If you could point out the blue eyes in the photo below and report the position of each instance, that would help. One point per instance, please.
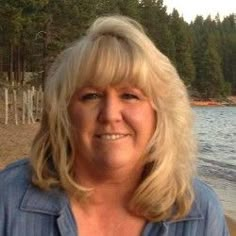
(94, 95)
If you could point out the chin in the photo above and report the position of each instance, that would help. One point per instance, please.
(116, 162)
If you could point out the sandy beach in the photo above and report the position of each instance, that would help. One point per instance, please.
(15, 143)
(232, 225)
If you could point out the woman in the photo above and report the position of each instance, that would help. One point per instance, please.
(115, 153)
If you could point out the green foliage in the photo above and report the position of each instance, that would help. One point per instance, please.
(213, 57)
(155, 19)
(129, 8)
(183, 48)
(213, 74)
(33, 32)
(228, 54)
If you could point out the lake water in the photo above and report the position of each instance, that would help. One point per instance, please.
(216, 131)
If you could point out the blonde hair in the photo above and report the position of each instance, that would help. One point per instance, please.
(116, 49)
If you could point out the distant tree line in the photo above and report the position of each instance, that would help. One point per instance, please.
(33, 32)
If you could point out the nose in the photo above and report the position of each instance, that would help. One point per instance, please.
(110, 109)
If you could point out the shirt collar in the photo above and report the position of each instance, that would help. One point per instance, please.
(54, 201)
(194, 214)
(48, 202)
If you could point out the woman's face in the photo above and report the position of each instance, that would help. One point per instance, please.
(111, 126)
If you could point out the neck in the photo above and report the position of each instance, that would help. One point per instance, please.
(106, 211)
(110, 187)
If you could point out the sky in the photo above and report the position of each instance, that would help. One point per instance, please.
(190, 8)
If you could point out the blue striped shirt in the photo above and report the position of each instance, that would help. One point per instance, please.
(25, 210)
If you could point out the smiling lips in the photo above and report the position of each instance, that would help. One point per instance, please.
(111, 137)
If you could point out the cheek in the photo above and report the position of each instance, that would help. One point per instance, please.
(82, 126)
(149, 122)
(143, 120)
(78, 117)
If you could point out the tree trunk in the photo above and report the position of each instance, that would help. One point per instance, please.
(1, 61)
(45, 57)
(10, 69)
(6, 106)
(45, 49)
(18, 64)
(15, 64)
(23, 65)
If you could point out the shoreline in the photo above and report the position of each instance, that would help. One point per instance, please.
(229, 101)
(231, 224)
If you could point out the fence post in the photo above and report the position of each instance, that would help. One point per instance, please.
(37, 105)
(6, 105)
(28, 106)
(24, 104)
(41, 99)
(15, 106)
(32, 104)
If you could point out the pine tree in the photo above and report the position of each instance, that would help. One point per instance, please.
(228, 39)
(129, 8)
(209, 78)
(154, 18)
(183, 47)
(214, 86)
(15, 18)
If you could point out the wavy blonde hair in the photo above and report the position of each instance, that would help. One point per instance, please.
(116, 49)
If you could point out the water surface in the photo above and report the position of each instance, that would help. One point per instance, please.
(216, 131)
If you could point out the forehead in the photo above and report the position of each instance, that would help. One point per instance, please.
(110, 84)
(119, 83)
(121, 87)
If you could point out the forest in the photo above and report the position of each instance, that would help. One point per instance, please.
(33, 32)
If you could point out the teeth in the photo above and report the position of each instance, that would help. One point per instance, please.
(111, 136)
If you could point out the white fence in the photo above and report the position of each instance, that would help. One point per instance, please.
(20, 105)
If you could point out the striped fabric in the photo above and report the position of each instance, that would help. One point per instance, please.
(27, 211)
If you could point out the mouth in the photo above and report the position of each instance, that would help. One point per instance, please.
(111, 137)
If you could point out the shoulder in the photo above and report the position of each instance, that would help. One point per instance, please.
(24, 206)
(17, 190)
(205, 197)
(210, 207)
(14, 179)
(15, 171)
(206, 216)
